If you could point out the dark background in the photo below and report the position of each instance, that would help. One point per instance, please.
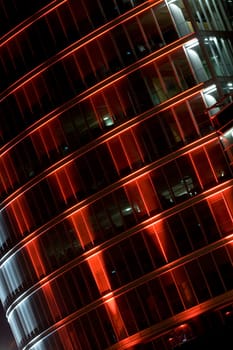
(7, 341)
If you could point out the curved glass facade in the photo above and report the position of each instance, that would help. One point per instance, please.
(116, 181)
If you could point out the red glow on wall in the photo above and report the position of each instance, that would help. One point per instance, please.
(20, 214)
(79, 220)
(64, 182)
(118, 155)
(8, 175)
(36, 259)
(221, 206)
(228, 193)
(98, 269)
(136, 198)
(48, 138)
(28, 22)
(116, 319)
(148, 193)
(51, 301)
(158, 236)
(96, 264)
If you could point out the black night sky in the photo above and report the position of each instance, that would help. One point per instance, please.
(7, 341)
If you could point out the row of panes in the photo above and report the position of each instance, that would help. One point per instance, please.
(72, 19)
(59, 28)
(146, 250)
(13, 12)
(212, 14)
(159, 80)
(113, 50)
(166, 295)
(160, 189)
(213, 328)
(143, 143)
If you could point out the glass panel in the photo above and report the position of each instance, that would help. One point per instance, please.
(183, 70)
(97, 60)
(123, 45)
(193, 228)
(85, 66)
(197, 61)
(166, 240)
(116, 111)
(180, 17)
(94, 12)
(212, 275)
(224, 266)
(135, 197)
(160, 300)
(107, 163)
(202, 119)
(154, 84)
(221, 214)
(171, 129)
(136, 37)
(131, 259)
(118, 156)
(141, 251)
(189, 177)
(218, 161)
(154, 246)
(127, 314)
(131, 149)
(162, 188)
(151, 30)
(149, 195)
(175, 181)
(80, 13)
(167, 74)
(184, 286)
(203, 167)
(138, 84)
(56, 29)
(186, 122)
(138, 312)
(207, 222)
(110, 51)
(165, 23)
(102, 110)
(118, 268)
(68, 22)
(180, 235)
(73, 72)
(197, 280)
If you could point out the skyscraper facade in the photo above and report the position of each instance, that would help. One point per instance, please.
(116, 222)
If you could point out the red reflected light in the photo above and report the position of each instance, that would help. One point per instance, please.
(79, 222)
(116, 318)
(97, 266)
(36, 259)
